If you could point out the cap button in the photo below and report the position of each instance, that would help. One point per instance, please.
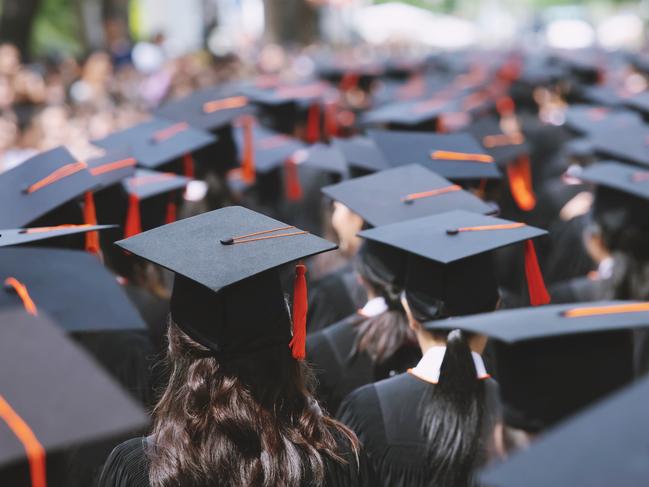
(452, 231)
(227, 241)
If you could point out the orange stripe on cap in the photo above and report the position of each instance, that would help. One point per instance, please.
(169, 132)
(607, 310)
(112, 166)
(23, 294)
(428, 194)
(57, 175)
(225, 104)
(150, 178)
(500, 140)
(461, 156)
(33, 448)
(273, 141)
(481, 228)
(53, 229)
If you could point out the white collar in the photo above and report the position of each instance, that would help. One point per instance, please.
(374, 307)
(429, 366)
(605, 268)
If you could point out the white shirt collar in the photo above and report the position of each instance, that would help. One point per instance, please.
(430, 364)
(605, 268)
(374, 307)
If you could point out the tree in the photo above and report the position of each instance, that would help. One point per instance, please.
(17, 21)
(291, 21)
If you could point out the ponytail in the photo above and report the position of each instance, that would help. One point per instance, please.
(453, 413)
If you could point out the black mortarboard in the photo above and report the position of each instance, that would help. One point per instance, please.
(23, 236)
(302, 93)
(588, 119)
(209, 109)
(450, 270)
(323, 157)
(41, 184)
(112, 167)
(603, 446)
(227, 293)
(53, 398)
(638, 102)
(158, 141)
(361, 153)
(147, 184)
(504, 148)
(621, 177)
(271, 149)
(409, 113)
(605, 95)
(403, 193)
(453, 156)
(554, 360)
(73, 288)
(628, 144)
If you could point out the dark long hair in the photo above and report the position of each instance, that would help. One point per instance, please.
(250, 420)
(453, 414)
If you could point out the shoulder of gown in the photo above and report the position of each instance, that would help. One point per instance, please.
(354, 471)
(127, 466)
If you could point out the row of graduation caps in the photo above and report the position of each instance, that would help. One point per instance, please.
(51, 284)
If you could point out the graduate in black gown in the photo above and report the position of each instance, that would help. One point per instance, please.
(238, 409)
(373, 343)
(433, 425)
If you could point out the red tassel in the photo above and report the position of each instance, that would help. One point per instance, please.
(90, 218)
(188, 166)
(519, 174)
(171, 215)
(248, 159)
(505, 106)
(133, 224)
(313, 124)
(349, 81)
(535, 284)
(292, 180)
(330, 121)
(300, 308)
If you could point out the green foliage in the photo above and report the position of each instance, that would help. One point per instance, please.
(56, 28)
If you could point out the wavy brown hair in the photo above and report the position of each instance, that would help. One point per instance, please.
(249, 420)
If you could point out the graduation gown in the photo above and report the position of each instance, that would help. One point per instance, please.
(385, 416)
(338, 373)
(334, 297)
(128, 466)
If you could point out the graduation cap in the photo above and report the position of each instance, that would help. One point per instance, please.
(361, 154)
(323, 157)
(158, 142)
(588, 119)
(145, 208)
(112, 167)
(453, 156)
(53, 398)
(450, 270)
(73, 288)
(409, 113)
(602, 446)
(603, 95)
(24, 236)
(621, 177)
(628, 144)
(41, 184)
(227, 293)
(403, 193)
(639, 102)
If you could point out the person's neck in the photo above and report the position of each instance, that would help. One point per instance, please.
(427, 341)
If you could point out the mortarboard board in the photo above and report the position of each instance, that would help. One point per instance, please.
(555, 360)
(73, 288)
(629, 144)
(621, 177)
(361, 153)
(158, 141)
(403, 193)
(303, 93)
(112, 167)
(271, 149)
(23, 236)
(602, 446)
(504, 148)
(41, 184)
(587, 119)
(639, 102)
(409, 113)
(227, 293)
(453, 156)
(53, 398)
(450, 270)
(603, 95)
(323, 157)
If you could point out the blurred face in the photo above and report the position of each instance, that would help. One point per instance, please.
(346, 224)
(9, 59)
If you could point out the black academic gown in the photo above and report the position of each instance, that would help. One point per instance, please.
(334, 297)
(385, 416)
(338, 373)
(128, 466)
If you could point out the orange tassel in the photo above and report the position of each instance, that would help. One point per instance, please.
(300, 308)
(248, 159)
(172, 210)
(505, 106)
(313, 123)
(292, 180)
(90, 218)
(133, 224)
(535, 283)
(188, 166)
(519, 174)
(349, 81)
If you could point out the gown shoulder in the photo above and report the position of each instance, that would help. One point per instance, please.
(127, 465)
